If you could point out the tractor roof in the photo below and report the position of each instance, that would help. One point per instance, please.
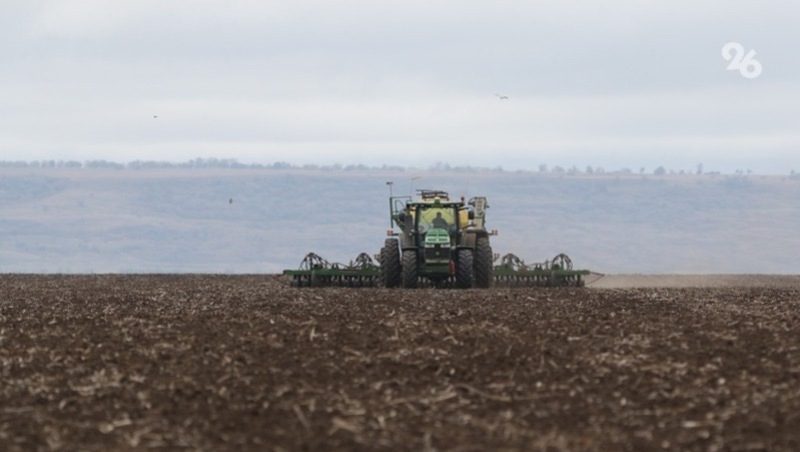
(426, 194)
(435, 197)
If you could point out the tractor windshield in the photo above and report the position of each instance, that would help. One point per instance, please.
(437, 217)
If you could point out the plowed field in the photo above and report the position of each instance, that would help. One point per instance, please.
(246, 362)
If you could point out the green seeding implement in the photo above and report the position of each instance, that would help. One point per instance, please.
(440, 243)
(315, 271)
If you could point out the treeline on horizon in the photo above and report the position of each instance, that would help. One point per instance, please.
(214, 163)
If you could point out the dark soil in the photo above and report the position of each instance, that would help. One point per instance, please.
(232, 363)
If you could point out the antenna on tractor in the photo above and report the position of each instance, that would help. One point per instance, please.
(411, 181)
(390, 184)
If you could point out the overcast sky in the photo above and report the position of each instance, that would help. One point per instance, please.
(620, 83)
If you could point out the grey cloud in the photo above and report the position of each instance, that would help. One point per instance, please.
(618, 82)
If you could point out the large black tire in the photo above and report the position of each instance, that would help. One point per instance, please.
(484, 270)
(410, 274)
(465, 271)
(391, 273)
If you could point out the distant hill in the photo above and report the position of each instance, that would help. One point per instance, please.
(113, 219)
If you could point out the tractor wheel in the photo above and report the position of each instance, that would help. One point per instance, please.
(410, 273)
(391, 273)
(465, 271)
(484, 271)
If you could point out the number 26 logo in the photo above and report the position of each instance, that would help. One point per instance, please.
(741, 60)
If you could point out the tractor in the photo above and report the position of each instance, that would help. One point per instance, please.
(440, 241)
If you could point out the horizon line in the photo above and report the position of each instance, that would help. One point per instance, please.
(235, 164)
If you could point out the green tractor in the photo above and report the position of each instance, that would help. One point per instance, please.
(440, 241)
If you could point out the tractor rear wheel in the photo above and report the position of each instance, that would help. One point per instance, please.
(390, 264)
(484, 271)
(465, 271)
(410, 273)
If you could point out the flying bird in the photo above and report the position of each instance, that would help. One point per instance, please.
(230, 201)
(155, 116)
(501, 97)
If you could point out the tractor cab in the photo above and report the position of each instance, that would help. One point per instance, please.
(432, 210)
(437, 231)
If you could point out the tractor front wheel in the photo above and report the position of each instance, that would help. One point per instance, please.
(483, 263)
(410, 273)
(390, 264)
(465, 271)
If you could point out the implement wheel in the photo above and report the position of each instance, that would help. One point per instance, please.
(409, 272)
(484, 270)
(391, 273)
(465, 271)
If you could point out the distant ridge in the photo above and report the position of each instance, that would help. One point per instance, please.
(216, 163)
